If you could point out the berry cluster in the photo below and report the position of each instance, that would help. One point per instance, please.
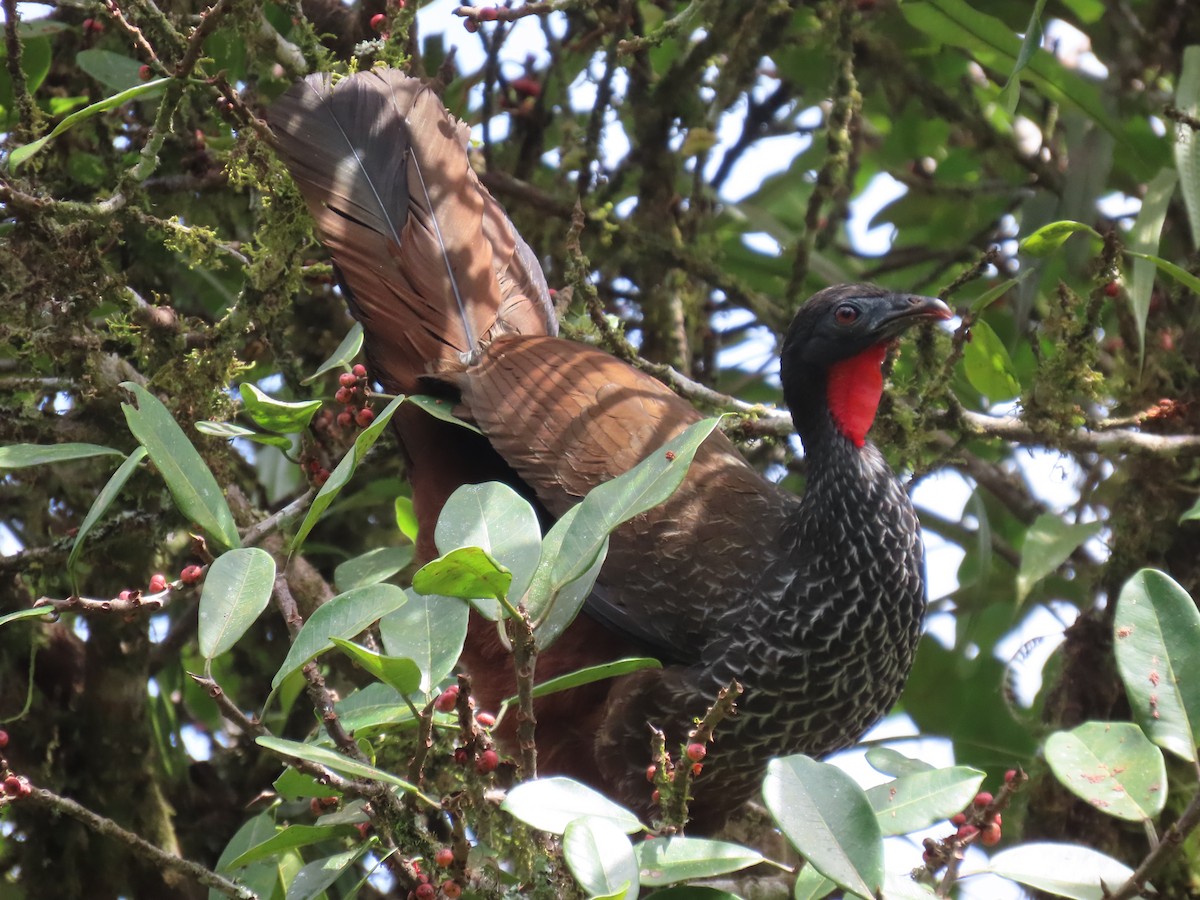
(981, 821)
(353, 395)
(15, 787)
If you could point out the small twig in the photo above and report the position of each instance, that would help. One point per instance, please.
(416, 766)
(512, 13)
(136, 602)
(524, 651)
(20, 88)
(1170, 842)
(138, 846)
(259, 530)
(148, 52)
(722, 708)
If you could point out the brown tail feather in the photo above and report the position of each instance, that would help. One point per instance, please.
(433, 264)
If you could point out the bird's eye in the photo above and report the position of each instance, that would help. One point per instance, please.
(846, 314)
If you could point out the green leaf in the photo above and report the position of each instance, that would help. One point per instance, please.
(287, 838)
(20, 154)
(495, 518)
(344, 616)
(469, 573)
(376, 706)
(31, 613)
(430, 631)
(551, 804)
(1049, 238)
(114, 71)
(103, 501)
(396, 671)
(988, 366)
(265, 879)
(995, 46)
(1029, 45)
(335, 762)
(599, 855)
(1111, 765)
(343, 355)
(1192, 514)
(892, 762)
(316, 876)
(196, 492)
(571, 549)
(665, 860)
(276, 415)
(916, 801)
(295, 785)
(1157, 645)
(1063, 869)
(1186, 144)
(1049, 543)
(237, 588)
(21, 456)
(406, 518)
(1180, 274)
(590, 674)
(1144, 238)
(694, 892)
(228, 431)
(992, 294)
(828, 819)
(343, 472)
(371, 567)
(442, 409)
(812, 885)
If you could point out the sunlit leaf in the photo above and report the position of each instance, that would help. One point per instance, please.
(236, 590)
(276, 415)
(430, 631)
(397, 671)
(336, 762)
(988, 366)
(551, 804)
(1111, 765)
(599, 855)
(371, 567)
(1066, 870)
(343, 356)
(1050, 237)
(916, 801)
(666, 860)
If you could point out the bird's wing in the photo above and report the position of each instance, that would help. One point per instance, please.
(567, 418)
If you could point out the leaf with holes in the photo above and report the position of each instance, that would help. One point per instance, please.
(1157, 645)
(1111, 765)
(828, 819)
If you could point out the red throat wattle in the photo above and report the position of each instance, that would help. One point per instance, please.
(853, 391)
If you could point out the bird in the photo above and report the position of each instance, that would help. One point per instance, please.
(814, 604)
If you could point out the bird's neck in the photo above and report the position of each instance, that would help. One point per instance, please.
(845, 396)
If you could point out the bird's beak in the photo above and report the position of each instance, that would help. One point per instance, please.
(906, 310)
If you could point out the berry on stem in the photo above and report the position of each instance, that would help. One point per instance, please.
(365, 417)
(486, 719)
(359, 370)
(378, 21)
(347, 379)
(696, 752)
(425, 892)
(158, 583)
(344, 395)
(446, 699)
(990, 836)
(191, 574)
(487, 762)
(144, 73)
(12, 786)
(3, 738)
(451, 889)
(444, 857)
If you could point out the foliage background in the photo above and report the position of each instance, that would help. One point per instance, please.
(159, 242)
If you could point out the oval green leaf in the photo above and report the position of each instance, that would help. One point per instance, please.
(599, 855)
(469, 573)
(1063, 869)
(336, 762)
(666, 860)
(988, 366)
(189, 480)
(551, 804)
(236, 590)
(276, 415)
(394, 671)
(1050, 237)
(20, 456)
(1157, 643)
(372, 567)
(430, 631)
(344, 616)
(916, 801)
(828, 819)
(1111, 765)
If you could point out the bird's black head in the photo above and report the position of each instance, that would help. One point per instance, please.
(833, 351)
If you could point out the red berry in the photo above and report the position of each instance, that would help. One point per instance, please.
(144, 73)
(3, 739)
(990, 836)
(527, 87)
(425, 892)
(966, 832)
(486, 719)
(1112, 289)
(1010, 776)
(344, 419)
(697, 768)
(983, 798)
(92, 26)
(655, 797)
(488, 14)
(378, 21)
(124, 595)
(460, 755)
(959, 819)
(347, 379)
(650, 772)
(12, 786)
(158, 583)
(344, 395)
(487, 762)
(365, 417)
(359, 370)
(446, 699)
(315, 806)
(471, 25)
(696, 752)
(191, 574)
(444, 857)
(451, 889)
